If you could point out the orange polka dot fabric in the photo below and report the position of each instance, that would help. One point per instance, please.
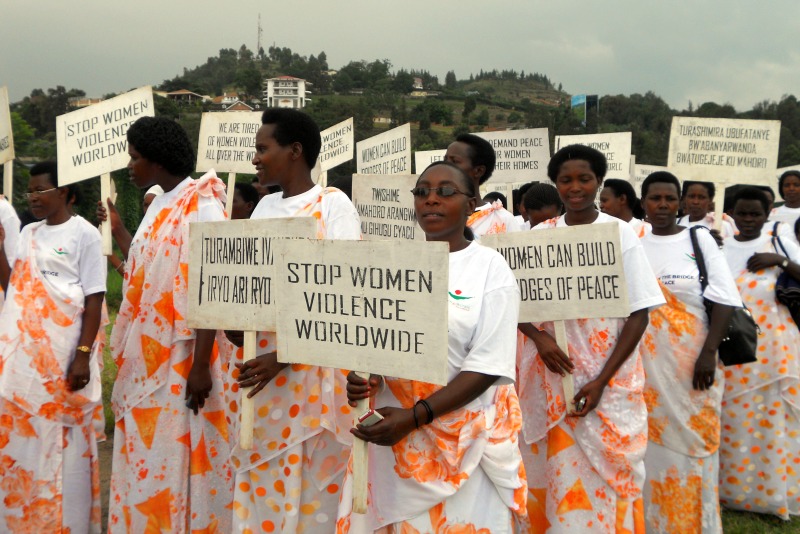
(681, 462)
(760, 449)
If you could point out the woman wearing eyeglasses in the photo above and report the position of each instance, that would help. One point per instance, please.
(447, 458)
(586, 468)
(50, 379)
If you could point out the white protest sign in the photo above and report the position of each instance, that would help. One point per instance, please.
(499, 187)
(521, 154)
(337, 145)
(641, 172)
(375, 306)
(227, 142)
(726, 151)
(566, 273)
(386, 153)
(231, 271)
(6, 135)
(385, 206)
(616, 147)
(92, 141)
(423, 158)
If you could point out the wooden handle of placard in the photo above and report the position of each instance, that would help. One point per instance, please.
(360, 459)
(8, 180)
(230, 192)
(718, 209)
(105, 227)
(248, 410)
(566, 380)
(323, 179)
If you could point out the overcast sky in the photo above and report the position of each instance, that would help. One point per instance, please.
(727, 51)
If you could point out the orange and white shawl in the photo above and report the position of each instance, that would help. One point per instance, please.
(171, 467)
(492, 219)
(40, 418)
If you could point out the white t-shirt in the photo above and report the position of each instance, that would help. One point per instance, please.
(784, 215)
(522, 223)
(483, 312)
(10, 222)
(484, 225)
(672, 259)
(340, 216)
(643, 290)
(738, 252)
(68, 254)
(208, 208)
(640, 227)
(728, 227)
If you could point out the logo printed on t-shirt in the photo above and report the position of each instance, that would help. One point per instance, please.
(457, 295)
(691, 257)
(60, 251)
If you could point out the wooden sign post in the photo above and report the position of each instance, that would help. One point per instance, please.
(371, 306)
(566, 273)
(724, 152)
(227, 143)
(386, 153)
(6, 145)
(231, 283)
(92, 142)
(386, 206)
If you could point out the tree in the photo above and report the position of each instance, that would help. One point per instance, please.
(403, 82)
(450, 81)
(248, 80)
(483, 117)
(470, 103)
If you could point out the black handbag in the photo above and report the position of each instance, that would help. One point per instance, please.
(740, 343)
(787, 289)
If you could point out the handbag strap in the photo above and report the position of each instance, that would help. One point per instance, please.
(776, 241)
(699, 258)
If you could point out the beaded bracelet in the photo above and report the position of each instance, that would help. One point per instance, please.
(427, 409)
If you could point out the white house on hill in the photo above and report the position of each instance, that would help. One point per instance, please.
(285, 92)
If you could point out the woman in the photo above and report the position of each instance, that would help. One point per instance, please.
(50, 380)
(542, 203)
(618, 199)
(683, 385)
(475, 156)
(301, 439)
(586, 468)
(11, 225)
(447, 458)
(760, 449)
(170, 466)
(698, 200)
(789, 189)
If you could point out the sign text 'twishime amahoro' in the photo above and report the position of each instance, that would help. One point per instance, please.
(371, 306)
(386, 153)
(566, 273)
(231, 271)
(227, 141)
(93, 140)
(726, 151)
(386, 206)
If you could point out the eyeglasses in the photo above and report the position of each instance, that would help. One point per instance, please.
(444, 191)
(35, 194)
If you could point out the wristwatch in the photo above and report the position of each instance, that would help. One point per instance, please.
(84, 348)
(785, 263)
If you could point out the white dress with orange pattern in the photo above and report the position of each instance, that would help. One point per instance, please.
(463, 472)
(492, 218)
(682, 460)
(170, 467)
(290, 481)
(49, 475)
(587, 474)
(760, 449)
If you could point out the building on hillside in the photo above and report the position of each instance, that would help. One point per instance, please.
(418, 84)
(241, 106)
(286, 92)
(184, 96)
(82, 101)
(226, 99)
